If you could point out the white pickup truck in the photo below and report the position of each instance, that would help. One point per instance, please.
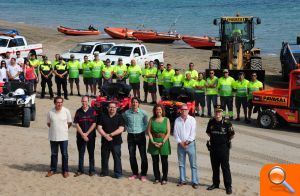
(15, 43)
(132, 51)
(87, 48)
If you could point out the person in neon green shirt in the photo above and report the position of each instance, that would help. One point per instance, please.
(151, 78)
(97, 66)
(87, 74)
(107, 72)
(177, 78)
(73, 68)
(225, 87)
(120, 71)
(241, 95)
(199, 87)
(35, 63)
(211, 91)
(145, 83)
(167, 76)
(188, 82)
(192, 71)
(134, 73)
(253, 85)
(160, 81)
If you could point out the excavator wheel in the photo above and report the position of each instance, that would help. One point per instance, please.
(214, 63)
(256, 63)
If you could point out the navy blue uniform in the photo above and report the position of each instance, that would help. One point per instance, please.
(220, 133)
(85, 119)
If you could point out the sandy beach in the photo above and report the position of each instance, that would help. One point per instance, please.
(25, 152)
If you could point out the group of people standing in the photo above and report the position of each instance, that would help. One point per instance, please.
(97, 73)
(110, 127)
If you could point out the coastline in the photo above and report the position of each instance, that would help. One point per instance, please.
(25, 153)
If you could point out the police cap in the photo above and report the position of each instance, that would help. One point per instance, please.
(218, 109)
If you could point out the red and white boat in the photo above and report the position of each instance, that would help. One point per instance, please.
(201, 42)
(156, 37)
(119, 32)
(70, 31)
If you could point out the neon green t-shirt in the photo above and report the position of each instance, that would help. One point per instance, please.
(167, 78)
(134, 73)
(149, 72)
(211, 90)
(254, 86)
(177, 80)
(225, 86)
(160, 80)
(200, 83)
(194, 73)
(73, 67)
(35, 63)
(108, 71)
(97, 68)
(241, 88)
(119, 70)
(144, 71)
(188, 83)
(86, 70)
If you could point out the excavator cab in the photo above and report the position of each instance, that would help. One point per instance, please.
(237, 52)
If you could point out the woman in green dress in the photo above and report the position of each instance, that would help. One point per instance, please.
(159, 144)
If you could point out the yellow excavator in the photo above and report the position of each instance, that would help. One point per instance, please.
(236, 51)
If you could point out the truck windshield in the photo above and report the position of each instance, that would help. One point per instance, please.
(80, 48)
(3, 42)
(120, 51)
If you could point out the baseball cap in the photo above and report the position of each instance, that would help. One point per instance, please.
(225, 70)
(120, 59)
(96, 53)
(72, 56)
(218, 109)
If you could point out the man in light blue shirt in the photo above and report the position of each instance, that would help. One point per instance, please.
(136, 121)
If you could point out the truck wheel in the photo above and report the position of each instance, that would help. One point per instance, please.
(33, 112)
(255, 63)
(26, 117)
(214, 63)
(267, 119)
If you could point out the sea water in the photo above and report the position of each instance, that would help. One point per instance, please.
(280, 19)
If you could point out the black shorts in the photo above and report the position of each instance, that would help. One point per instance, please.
(250, 104)
(241, 101)
(135, 86)
(97, 81)
(87, 81)
(200, 99)
(71, 80)
(145, 86)
(152, 88)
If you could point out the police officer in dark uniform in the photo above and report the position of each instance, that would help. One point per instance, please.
(61, 74)
(46, 76)
(220, 132)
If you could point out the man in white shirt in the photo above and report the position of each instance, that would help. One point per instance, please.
(14, 70)
(59, 121)
(185, 133)
(19, 59)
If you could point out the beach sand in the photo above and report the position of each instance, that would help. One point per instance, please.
(25, 152)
